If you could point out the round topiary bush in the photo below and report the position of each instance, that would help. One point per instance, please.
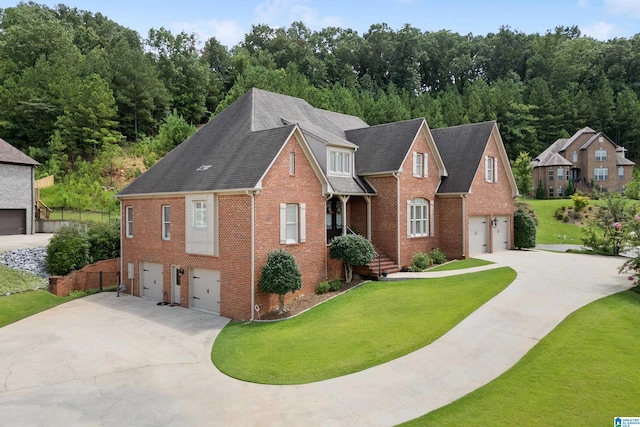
(280, 275)
(353, 250)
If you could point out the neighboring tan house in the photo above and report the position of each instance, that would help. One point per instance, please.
(588, 159)
(17, 199)
(271, 172)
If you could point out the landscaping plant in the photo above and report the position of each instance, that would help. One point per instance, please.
(420, 261)
(68, 250)
(353, 250)
(524, 230)
(613, 227)
(280, 275)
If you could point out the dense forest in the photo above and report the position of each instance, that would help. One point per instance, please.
(74, 84)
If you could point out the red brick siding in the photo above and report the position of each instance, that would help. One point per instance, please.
(384, 215)
(86, 278)
(280, 187)
(490, 198)
(357, 215)
(410, 188)
(450, 226)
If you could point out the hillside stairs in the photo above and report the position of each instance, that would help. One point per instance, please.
(381, 262)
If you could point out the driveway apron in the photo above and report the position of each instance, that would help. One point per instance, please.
(104, 360)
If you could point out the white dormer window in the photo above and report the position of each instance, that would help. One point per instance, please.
(339, 162)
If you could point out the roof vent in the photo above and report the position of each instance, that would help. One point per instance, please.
(203, 168)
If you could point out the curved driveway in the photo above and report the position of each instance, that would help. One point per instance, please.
(110, 361)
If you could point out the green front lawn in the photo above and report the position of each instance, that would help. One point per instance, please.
(18, 306)
(585, 372)
(461, 264)
(550, 230)
(370, 325)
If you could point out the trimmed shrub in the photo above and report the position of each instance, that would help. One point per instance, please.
(420, 261)
(524, 230)
(335, 285)
(322, 288)
(280, 275)
(353, 250)
(438, 256)
(68, 250)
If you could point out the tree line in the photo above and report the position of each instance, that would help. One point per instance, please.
(74, 83)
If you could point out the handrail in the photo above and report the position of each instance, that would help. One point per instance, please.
(377, 255)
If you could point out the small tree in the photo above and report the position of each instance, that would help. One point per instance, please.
(353, 250)
(540, 194)
(524, 230)
(523, 173)
(280, 275)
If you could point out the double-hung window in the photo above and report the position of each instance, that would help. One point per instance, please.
(621, 173)
(601, 155)
(166, 222)
(418, 217)
(129, 221)
(339, 162)
(600, 174)
(199, 213)
(560, 174)
(490, 169)
(292, 223)
(420, 165)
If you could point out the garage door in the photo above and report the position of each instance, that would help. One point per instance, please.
(477, 235)
(205, 290)
(13, 221)
(500, 234)
(151, 279)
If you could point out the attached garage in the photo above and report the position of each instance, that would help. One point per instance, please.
(204, 290)
(13, 221)
(151, 279)
(478, 235)
(500, 234)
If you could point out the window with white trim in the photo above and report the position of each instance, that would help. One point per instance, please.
(490, 169)
(601, 155)
(292, 163)
(550, 191)
(166, 222)
(129, 221)
(201, 224)
(418, 216)
(621, 173)
(421, 165)
(200, 214)
(339, 162)
(600, 174)
(293, 223)
(575, 157)
(551, 174)
(560, 174)
(560, 191)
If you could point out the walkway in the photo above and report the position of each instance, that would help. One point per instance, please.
(104, 360)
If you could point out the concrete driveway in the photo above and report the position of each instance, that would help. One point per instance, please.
(111, 361)
(22, 241)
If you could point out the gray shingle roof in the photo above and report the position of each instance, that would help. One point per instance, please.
(235, 149)
(10, 154)
(461, 149)
(383, 148)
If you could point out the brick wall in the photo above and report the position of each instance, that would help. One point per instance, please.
(384, 215)
(88, 277)
(450, 225)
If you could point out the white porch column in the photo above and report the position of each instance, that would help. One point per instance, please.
(343, 201)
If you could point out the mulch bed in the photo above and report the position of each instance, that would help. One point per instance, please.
(306, 301)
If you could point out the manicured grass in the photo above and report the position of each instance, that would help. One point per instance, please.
(461, 264)
(585, 372)
(13, 281)
(550, 230)
(85, 216)
(18, 306)
(370, 325)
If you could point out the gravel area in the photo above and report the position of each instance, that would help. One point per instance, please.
(31, 260)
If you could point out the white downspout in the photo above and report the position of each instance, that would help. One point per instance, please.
(464, 225)
(252, 194)
(397, 175)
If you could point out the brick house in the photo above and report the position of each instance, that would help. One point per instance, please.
(17, 193)
(588, 159)
(271, 171)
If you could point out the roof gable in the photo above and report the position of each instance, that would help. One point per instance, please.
(461, 148)
(10, 154)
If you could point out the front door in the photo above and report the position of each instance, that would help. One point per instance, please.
(334, 218)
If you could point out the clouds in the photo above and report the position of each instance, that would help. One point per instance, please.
(281, 13)
(228, 33)
(600, 30)
(623, 7)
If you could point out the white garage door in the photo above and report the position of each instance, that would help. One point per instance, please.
(205, 290)
(151, 280)
(501, 234)
(477, 235)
